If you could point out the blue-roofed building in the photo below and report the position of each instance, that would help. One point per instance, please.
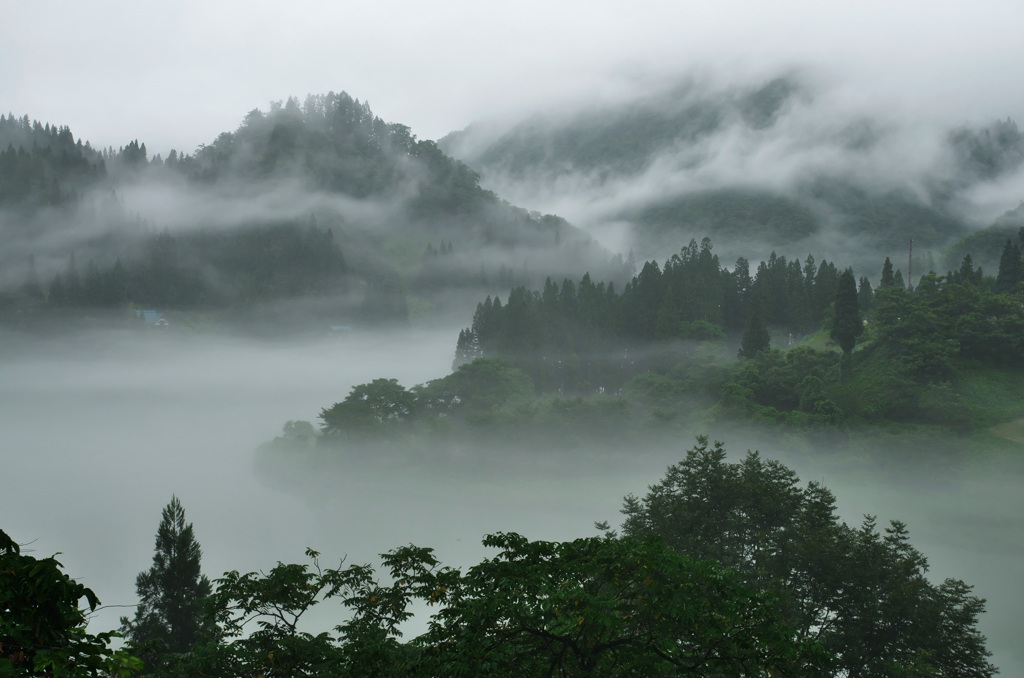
(152, 318)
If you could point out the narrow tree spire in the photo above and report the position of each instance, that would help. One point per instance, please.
(169, 620)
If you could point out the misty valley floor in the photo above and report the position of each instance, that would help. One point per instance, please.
(101, 435)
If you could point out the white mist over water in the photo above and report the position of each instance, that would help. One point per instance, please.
(96, 434)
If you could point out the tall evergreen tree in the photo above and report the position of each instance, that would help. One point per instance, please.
(824, 289)
(740, 285)
(846, 322)
(888, 276)
(168, 619)
(969, 274)
(467, 349)
(755, 337)
(864, 293)
(1010, 270)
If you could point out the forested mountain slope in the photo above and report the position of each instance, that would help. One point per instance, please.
(779, 165)
(322, 201)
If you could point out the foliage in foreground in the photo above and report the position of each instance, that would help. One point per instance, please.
(725, 569)
(863, 595)
(735, 565)
(42, 627)
(588, 607)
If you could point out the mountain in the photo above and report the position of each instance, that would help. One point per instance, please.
(619, 140)
(986, 245)
(322, 205)
(780, 165)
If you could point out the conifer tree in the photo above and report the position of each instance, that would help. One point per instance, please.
(864, 293)
(1010, 270)
(467, 349)
(846, 322)
(755, 337)
(888, 277)
(967, 272)
(168, 619)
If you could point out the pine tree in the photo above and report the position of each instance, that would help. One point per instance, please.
(168, 619)
(755, 337)
(969, 274)
(1010, 269)
(846, 321)
(467, 349)
(888, 277)
(864, 293)
(824, 289)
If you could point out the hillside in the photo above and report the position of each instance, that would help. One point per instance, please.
(776, 165)
(322, 206)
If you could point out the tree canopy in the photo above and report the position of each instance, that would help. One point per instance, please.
(586, 607)
(723, 569)
(846, 321)
(368, 408)
(42, 623)
(863, 594)
(755, 337)
(604, 607)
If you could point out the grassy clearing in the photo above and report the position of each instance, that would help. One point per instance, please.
(993, 396)
(1012, 431)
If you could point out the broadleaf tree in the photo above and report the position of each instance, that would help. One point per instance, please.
(603, 607)
(586, 607)
(43, 615)
(861, 593)
(368, 408)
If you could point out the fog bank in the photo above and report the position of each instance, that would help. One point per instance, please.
(98, 433)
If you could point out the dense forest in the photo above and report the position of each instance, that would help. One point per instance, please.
(796, 346)
(44, 165)
(76, 229)
(374, 222)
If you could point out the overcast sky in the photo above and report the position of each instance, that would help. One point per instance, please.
(175, 74)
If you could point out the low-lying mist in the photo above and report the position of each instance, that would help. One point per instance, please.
(865, 177)
(318, 199)
(99, 430)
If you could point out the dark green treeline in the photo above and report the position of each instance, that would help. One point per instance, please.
(587, 336)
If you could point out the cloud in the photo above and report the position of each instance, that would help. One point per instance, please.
(821, 137)
(176, 75)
